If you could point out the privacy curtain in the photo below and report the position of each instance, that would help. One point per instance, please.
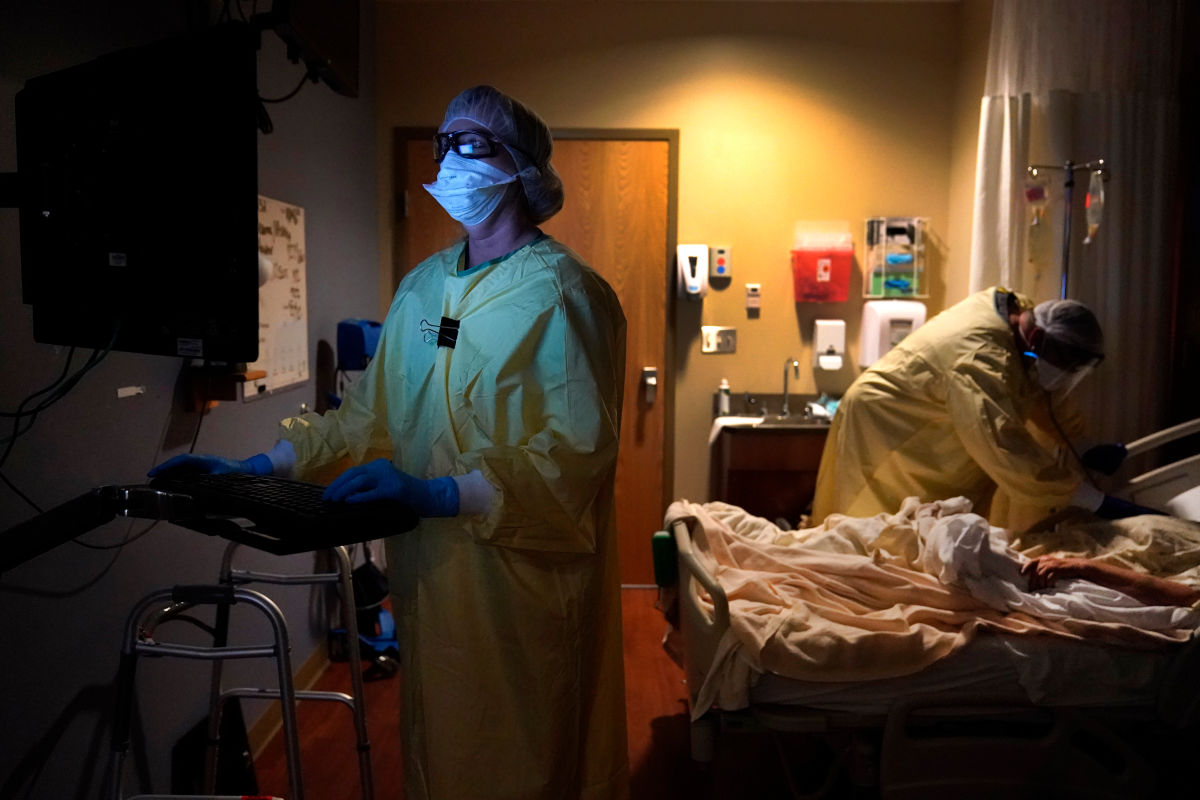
(1079, 80)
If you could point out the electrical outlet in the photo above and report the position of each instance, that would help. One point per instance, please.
(718, 339)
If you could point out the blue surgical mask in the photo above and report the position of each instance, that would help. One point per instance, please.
(470, 189)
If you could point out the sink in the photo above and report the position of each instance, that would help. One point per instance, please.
(792, 421)
(748, 407)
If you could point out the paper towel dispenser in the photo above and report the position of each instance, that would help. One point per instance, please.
(885, 323)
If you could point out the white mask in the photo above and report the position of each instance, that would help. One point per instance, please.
(470, 189)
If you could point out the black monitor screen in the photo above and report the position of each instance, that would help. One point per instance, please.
(139, 186)
(324, 34)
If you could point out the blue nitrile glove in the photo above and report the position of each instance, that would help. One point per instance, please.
(1116, 508)
(189, 464)
(380, 480)
(1105, 458)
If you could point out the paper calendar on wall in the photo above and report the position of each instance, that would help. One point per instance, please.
(282, 299)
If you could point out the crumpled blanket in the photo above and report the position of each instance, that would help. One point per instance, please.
(885, 596)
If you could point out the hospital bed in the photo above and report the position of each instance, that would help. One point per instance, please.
(965, 726)
(1102, 721)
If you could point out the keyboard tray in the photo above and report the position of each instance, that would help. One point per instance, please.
(280, 515)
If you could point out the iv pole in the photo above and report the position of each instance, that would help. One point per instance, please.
(1068, 187)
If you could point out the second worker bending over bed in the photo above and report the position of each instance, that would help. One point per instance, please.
(962, 406)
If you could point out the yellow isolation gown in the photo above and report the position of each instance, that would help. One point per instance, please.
(951, 410)
(509, 623)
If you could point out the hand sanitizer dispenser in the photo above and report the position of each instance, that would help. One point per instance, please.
(829, 343)
(692, 260)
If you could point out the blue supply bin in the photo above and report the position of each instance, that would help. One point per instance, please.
(356, 342)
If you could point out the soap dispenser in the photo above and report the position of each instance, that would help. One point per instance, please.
(829, 344)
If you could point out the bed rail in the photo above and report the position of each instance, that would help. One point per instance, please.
(1162, 437)
(681, 530)
(702, 628)
(1174, 487)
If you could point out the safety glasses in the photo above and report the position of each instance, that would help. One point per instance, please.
(468, 144)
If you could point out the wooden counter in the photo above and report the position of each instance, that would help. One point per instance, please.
(769, 471)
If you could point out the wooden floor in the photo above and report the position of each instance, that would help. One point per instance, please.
(656, 706)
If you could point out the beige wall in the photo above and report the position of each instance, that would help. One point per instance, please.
(786, 112)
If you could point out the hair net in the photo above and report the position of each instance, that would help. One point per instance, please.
(1071, 323)
(524, 135)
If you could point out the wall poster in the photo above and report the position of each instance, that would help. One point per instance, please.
(282, 299)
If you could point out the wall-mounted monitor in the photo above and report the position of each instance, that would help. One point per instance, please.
(324, 35)
(138, 187)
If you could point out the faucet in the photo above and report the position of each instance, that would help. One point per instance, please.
(795, 365)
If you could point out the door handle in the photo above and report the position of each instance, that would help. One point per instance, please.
(649, 384)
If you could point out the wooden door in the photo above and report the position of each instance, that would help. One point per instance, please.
(616, 216)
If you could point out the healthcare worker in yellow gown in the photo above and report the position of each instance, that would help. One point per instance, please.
(492, 406)
(972, 403)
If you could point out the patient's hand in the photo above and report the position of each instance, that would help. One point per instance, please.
(1043, 571)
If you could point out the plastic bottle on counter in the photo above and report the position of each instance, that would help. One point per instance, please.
(723, 398)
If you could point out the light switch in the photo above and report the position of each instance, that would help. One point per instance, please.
(718, 339)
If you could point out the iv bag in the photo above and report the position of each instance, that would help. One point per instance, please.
(1094, 204)
(1036, 194)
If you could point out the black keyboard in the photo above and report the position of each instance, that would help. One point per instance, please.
(282, 515)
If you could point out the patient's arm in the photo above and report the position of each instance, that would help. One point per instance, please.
(1151, 590)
